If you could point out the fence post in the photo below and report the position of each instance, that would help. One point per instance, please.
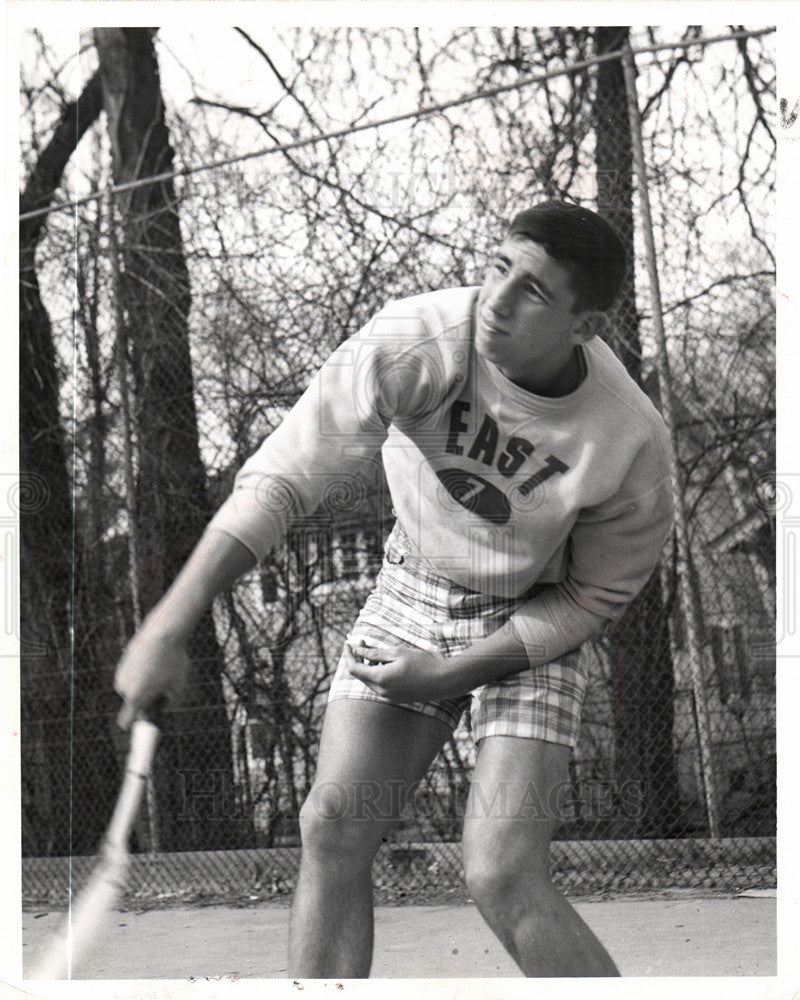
(685, 584)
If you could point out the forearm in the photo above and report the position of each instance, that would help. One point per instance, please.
(407, 674)
(216, 563)
(156, 664)
(532, 637)
(554, 623)
(485, 661)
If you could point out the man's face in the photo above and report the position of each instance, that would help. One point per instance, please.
(524, 322)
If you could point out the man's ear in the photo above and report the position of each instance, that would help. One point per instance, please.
(591, 324)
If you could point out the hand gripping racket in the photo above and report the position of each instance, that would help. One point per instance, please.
(107, 882)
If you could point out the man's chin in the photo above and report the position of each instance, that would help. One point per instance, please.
(486, 345)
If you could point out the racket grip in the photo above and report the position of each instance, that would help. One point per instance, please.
(144, 738)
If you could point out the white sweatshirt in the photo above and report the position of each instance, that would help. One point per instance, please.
(499, 489)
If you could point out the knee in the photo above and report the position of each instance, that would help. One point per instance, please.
(326, 821)
(499, 871)
(332, 822)
(489, 880)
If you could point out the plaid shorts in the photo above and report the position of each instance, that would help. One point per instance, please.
(410, 605)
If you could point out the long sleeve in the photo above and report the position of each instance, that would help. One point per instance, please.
(611, 554)
(391, 371)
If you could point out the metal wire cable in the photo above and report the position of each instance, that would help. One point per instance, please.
(417, 112)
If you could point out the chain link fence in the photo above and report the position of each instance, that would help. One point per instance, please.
(673, 781)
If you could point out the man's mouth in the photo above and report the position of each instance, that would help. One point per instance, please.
(494, 329)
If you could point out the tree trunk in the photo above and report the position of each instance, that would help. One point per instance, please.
(640, 647)
(171, 502)
(59, 816)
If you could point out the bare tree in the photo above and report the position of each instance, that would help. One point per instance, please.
(171, 502)
(57, 677)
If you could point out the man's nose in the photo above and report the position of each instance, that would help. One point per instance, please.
(500, 301)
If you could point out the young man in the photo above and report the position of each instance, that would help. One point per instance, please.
(530, 479)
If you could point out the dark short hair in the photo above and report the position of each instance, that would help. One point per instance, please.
(584, 243)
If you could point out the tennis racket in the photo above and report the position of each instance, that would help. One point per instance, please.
(69, 946)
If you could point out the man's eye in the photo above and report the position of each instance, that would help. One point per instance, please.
(532, 290)
(498, 265)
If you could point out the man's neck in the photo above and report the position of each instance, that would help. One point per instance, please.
(561, 383)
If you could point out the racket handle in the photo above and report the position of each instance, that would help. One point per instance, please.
(144, 739)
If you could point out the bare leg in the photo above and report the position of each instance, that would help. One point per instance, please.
(511, 817)
(371, 755)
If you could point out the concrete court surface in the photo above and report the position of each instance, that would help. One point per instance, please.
(650, 937)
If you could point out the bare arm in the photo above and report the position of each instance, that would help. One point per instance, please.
(331, 435)
(156, 663)
(407, 674)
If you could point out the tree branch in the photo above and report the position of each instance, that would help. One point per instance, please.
(750, 77)
(75, 120)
